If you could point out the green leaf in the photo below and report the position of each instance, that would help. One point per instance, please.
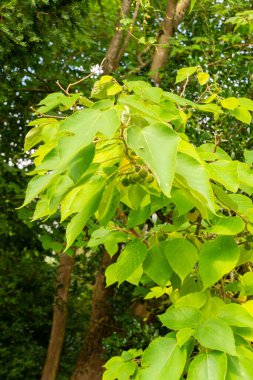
(134, 102)
(85, 102)
(216, 258)
(157, 292)
(248, 155)
(36, 186)
(85, 203)
(196, 300)
(178, 251)
(163, 360)
(245, 178)
(51, 101)
(180, 317)
(202, 78)
(184, 335)
(110, 239)
(78, 197)
(224, 198)
(137, 86)
(51, 199)
(212, 307)
(210, 107)
(192, 176)
(189, 149)
(246, 255)
(106, 86)
(192, 4)
(182, 200)
(86, 123)
(139, 216)
(225, 173)
(118, 368)
(240, 366)
(178, 99)
(217, 335)
(209, 149)
(247, 283)
(42, 209)
(81, 162)
(229, 225)
(35, 135)
(128, 266)
(242, 203)
(156, 266)
(137, 196)
(152, 94)
(246, 103)
(210, 98)
(81, 128)
(185, 73)
(235, 315)
(157, 145)
(242, 114)
(244, 332)
(248, 306)
(109, 204)
(230, 103)
(210, 365)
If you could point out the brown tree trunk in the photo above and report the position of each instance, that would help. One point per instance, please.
(114, 47)
(174, 15)
(59, 318)
(125, 43)
(89, 364)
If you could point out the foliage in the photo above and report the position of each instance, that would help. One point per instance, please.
(26, 299)
(126, 149)
(44, 41)
(29, 259)
(26, 285)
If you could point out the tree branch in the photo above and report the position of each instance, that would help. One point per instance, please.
(114, 46)
(174, 14)
(123, 47)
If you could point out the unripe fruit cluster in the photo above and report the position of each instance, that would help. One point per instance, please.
(141, 175)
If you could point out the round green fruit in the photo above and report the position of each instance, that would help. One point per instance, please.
(247, 246)
(143, 173)
(125, 182)
(135, 178)
(149, 178)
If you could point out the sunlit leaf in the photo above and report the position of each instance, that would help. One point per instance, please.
(163, 359)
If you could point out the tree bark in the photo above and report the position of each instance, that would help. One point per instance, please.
(89, 364)
(128, 36)
(59, 318)
(174, 15)
(114, 47)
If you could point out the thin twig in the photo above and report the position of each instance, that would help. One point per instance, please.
(184, 87)
(130, 231)
(223, 293)
(79, 81)
(59, 85)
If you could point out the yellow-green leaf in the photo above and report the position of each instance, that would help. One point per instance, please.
(230, 103)
(216, 258)
(185, 73)
(202, 78)
(242, 114)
